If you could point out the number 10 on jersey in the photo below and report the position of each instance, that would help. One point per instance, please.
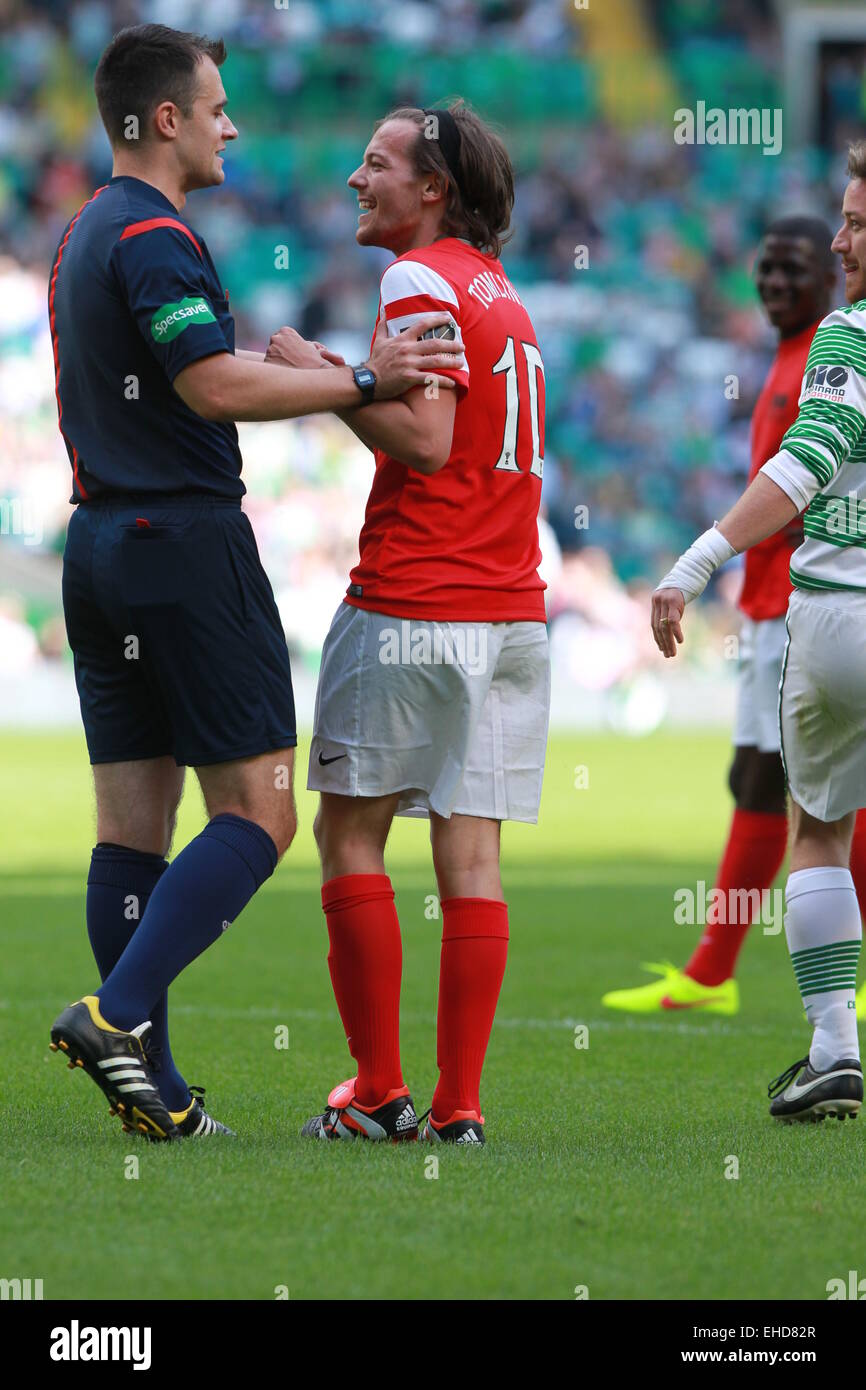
(507, 363)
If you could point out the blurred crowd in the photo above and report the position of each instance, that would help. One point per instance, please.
(632, 253)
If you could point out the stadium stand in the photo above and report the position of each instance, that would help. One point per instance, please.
(637, 345)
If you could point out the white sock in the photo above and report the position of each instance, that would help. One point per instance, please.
(823, 929)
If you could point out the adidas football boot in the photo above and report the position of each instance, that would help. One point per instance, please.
(117, 1062)
(463, 1127)
(802, 1093)
(195, 1122)
(675, 991)
(393, 1119)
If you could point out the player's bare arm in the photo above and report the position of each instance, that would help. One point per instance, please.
(225, 387)
(763, 509)
(416, 430)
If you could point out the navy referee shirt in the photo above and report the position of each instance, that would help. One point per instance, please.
(133, 299)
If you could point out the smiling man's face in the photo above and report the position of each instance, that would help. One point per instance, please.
(849, 243)
(392, 197)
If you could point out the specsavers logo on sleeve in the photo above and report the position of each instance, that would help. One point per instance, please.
(172, 319)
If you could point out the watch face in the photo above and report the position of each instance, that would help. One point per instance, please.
(364, 377)
(444, 330)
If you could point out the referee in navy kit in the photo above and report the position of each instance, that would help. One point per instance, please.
(180, 657)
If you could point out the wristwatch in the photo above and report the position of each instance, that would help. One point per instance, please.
(365, 380)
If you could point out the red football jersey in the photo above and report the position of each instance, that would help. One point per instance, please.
(462, 544)
(766, 585)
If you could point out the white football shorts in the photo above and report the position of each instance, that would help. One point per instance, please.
(452, 715)
(762, 648)
(822, 702)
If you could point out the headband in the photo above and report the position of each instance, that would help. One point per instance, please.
(448, 140)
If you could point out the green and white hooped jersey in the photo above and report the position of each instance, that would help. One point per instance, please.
(821, 463)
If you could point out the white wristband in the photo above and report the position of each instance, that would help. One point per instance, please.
(693, 570)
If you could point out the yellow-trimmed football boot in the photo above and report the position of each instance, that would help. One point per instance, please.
(674, 991)
(117, 1062)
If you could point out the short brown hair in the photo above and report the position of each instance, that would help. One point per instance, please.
(145, 65)
(480, 208)
(857, 160)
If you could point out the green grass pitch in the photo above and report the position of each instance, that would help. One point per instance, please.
(605, 1166)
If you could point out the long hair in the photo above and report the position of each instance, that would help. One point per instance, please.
(480, 200)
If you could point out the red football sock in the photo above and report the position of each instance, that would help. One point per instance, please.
(366, 964)
(474, 951)
(858, 860)
(752, 858)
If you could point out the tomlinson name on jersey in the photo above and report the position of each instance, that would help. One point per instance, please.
(489, 286)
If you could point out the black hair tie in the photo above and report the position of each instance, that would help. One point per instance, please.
(449, 141)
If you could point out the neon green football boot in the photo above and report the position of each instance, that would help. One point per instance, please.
(860, 1000)
(675, 991)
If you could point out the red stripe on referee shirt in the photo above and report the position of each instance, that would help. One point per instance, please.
(150, 225)
(52, 324)
(419, 304)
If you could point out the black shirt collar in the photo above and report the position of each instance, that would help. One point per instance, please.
(146, 190)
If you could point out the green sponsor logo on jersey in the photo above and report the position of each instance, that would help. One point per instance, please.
(172, 319)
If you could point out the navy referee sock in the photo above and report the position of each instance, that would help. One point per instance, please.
(119, 886)
(197, 897)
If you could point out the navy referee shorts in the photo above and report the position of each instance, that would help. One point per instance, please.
(177, 641)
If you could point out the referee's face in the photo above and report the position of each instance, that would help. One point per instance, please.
(205, 133)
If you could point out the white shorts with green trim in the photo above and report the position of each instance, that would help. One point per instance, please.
(453, 716)
(822, 702)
